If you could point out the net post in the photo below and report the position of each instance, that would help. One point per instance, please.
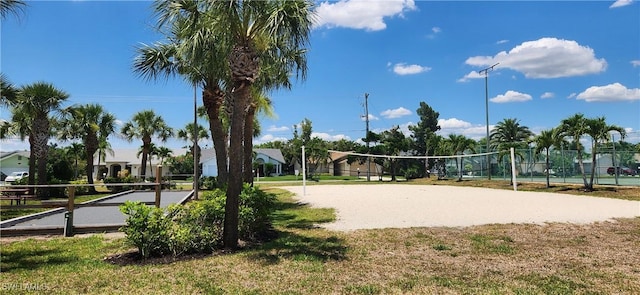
(513, 169)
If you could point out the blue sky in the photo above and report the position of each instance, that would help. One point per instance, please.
(555, 59)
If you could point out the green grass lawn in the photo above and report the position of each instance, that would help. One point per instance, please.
(598, 258)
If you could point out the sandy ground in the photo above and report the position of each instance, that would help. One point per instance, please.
(403, 206)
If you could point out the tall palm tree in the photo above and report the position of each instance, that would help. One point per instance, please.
(599, 131)
(508, 134)
(459, 144)
(40, 102)
(260, 104)
(8, 92)
(91, 124)
(145, 125)
(544, 141)
(257, 31)
(196, 53)
(188, 134)
(575, 127)
(11, 7)
(163, 152)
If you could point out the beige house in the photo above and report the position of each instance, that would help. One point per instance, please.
(130, 160)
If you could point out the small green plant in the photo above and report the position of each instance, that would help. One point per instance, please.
(147, 228)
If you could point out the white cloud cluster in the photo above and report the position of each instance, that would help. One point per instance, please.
(395, 113)
(274, 128)
(611, 92)
(546, 58)
(405, 69)
(635, 63)
(471, 75)
(621, 3)
(502, 41)
(511, 96)
(547, 95)
(371, 118)
(269, 138)
(329, 137)
(457, 126)
(453, 123)
(360, 14)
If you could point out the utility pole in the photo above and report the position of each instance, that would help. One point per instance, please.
(366, 137)
(486, 101)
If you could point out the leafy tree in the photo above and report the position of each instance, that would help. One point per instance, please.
(75, 150)
(394, 143)
(91, 124)
(163, 153)
(424, 131)
(145, 125)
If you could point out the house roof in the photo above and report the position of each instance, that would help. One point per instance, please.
(5, 155)
(276, 154)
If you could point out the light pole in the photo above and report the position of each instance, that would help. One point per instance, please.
(486, 95)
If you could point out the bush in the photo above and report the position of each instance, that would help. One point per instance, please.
(208, 183)
(119, 179)
(147, 228)
(80, 190)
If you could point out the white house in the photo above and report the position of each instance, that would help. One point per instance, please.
(262, 158)
(15, 161)
(128, 159)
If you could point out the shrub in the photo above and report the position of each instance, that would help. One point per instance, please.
(256, 207)
(80, 190)
(119, 179)
(147, 228)
(209, 183)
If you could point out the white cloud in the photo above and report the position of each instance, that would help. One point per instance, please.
(471, 75)
(502, 41)
(329, 137)
(395, 113)
(547, 95)
(371, 118)
(453, 123)
(274, 128)
(572, 95)
(546, 58)
(621, 3)
(360, 14)
(511, 96)
(611, 92)
(635, 63)
(436, 30)
(404, 69)
(270, 137)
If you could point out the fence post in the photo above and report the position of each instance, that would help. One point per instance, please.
(68, 216)
(158, 185)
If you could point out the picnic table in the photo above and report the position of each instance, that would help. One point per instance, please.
(15, 194)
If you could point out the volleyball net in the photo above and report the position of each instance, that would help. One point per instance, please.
(471, 165)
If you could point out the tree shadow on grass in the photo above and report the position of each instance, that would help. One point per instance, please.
(296, 246)
(32, 259)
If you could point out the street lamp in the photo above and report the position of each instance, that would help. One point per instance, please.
(486, 94)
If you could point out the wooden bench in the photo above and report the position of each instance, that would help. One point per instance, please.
(11, 198)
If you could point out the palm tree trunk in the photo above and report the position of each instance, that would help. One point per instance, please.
(143, 163)
(212, 99)
(236, 152)
(593, 165)
(581, 164)
(459, 169)
(248, 144)
(547, 165)
(41, 138)
(90, 147)
(32, 165)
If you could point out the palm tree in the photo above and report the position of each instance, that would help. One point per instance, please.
(599, 131)
(145, 125)
(11, 7)
(198, 55)
(91, 124)
(459, 144)
(8, 92)
(104, 147)
(257, 31)
(544, 141)
(508, 134)
(188, 134)
(75, 150)
(260, 103)
(163, 152)
(39, 101)
(575, 127)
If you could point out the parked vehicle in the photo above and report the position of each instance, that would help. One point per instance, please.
(15, 176)
(622, 171)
